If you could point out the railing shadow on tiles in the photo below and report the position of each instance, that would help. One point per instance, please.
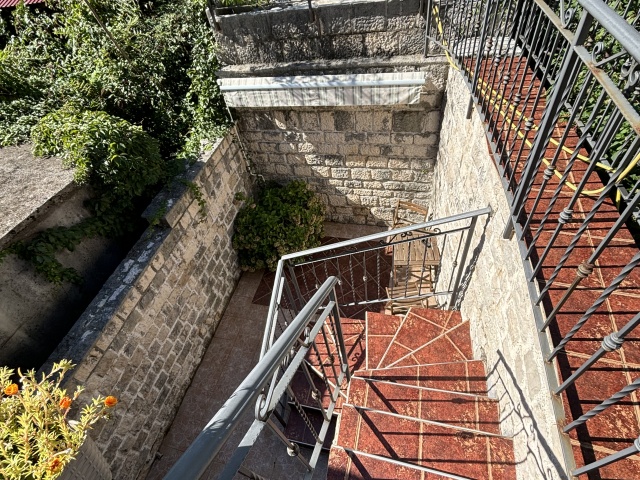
(557, 84)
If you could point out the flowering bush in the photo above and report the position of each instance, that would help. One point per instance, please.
(37, 439)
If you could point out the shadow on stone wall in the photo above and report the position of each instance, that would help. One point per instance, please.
(502, 378)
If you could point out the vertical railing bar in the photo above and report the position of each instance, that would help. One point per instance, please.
(427, 26)
(488, 65)
(480, 54)
(622, 454)
(365, 275)
(521, 24)
(603, 140)
(585, 224)
(338, 326)
(552, 167)
(292, 448)
(529, 120)
(612, 400)
(296, 286)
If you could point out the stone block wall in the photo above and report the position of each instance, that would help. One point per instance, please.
(359, 160)
(495, 298)
(145, 333)
(384, 28)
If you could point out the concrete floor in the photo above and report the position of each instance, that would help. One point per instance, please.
(233, 352)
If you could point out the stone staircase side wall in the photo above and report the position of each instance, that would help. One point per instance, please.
(494, 292)
(144, 335)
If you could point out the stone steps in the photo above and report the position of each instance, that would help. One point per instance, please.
(418, 408)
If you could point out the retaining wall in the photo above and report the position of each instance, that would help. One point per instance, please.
(144, 334)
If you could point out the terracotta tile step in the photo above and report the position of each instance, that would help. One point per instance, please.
(449, 449)
(418, 343)
(466, 376)
(297, 431)
(418, 327)
(456, 409)
(354, 465)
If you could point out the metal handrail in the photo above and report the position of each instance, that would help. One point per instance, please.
(276, 294)
(194, 462)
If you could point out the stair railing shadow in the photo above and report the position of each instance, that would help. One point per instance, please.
(502, 377)
(471, 266)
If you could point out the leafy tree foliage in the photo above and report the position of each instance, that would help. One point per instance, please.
(124, 91)
(280, 220)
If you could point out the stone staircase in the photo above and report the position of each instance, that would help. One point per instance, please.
(417, 404)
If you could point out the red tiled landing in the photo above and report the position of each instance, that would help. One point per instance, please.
(445, 449)
(452, 408)
(469, 376)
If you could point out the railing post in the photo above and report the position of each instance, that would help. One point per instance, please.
(341, 346)
(479, 57)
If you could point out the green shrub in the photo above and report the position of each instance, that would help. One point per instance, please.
(281, 220)
(105, 151)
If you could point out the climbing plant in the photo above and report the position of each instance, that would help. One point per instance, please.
(124, 92)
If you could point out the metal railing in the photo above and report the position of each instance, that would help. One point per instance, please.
(312, 290)
(396, 265)
(558, 86)
(265, 386)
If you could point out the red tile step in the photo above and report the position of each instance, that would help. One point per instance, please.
(411, 442)
(410, 347)
(423, 336)
(457, 409)
(380, 329)
(467, 376)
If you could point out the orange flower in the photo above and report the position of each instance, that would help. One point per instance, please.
(54, 465)
(110, 401)
(11, 389)
(65, 403)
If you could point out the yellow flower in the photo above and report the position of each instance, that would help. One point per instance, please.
(11, 389)
(110, 401)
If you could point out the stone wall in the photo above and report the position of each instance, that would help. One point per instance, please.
(359, 159)
(495, 297)
(144, 335)
(37, 194)
(384, 28)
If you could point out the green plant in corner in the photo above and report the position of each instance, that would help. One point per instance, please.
(280, 220)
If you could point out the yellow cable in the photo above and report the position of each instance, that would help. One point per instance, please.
(553, 141)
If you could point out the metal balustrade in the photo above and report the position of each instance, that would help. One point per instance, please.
(312, 290)
(557, 84)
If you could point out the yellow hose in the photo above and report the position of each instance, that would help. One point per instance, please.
(521, 115)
